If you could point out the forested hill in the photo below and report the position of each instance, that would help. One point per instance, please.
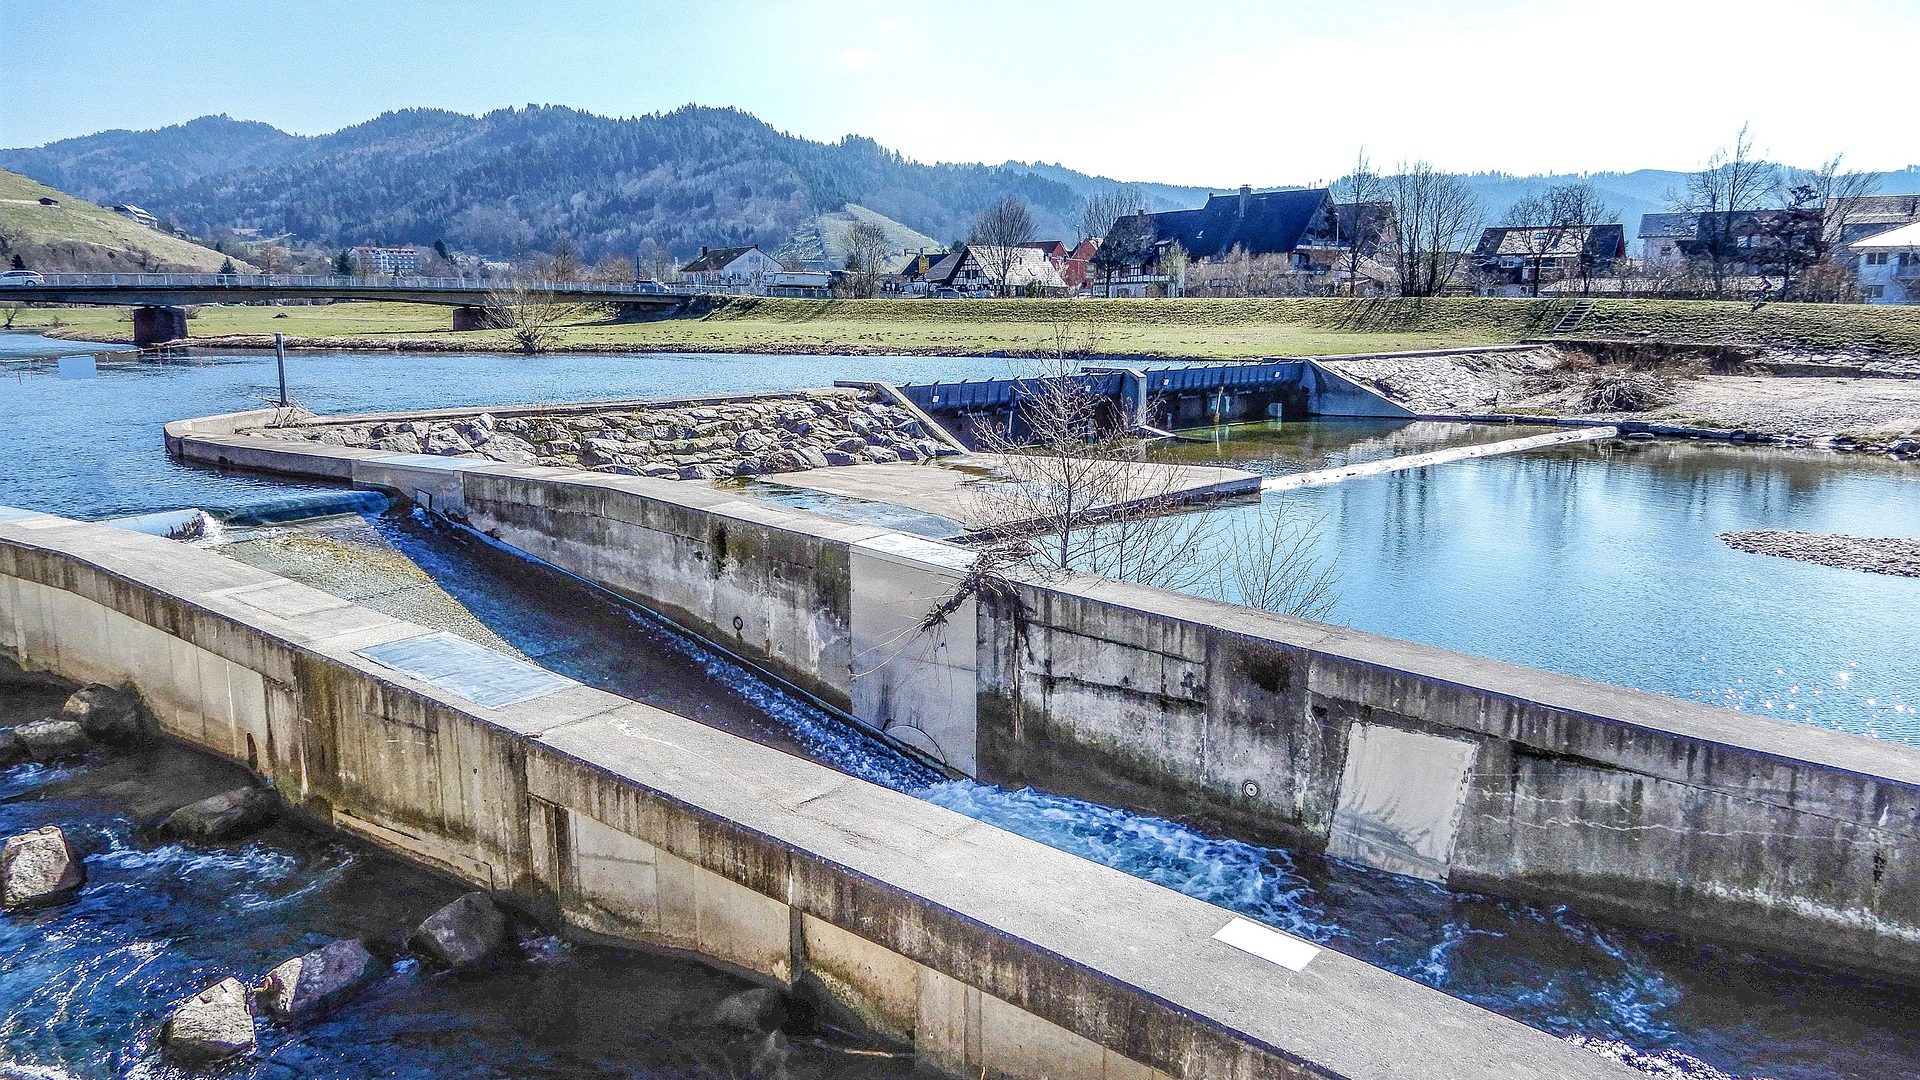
(518, 179)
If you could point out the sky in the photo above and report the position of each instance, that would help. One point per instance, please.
(1198, 92)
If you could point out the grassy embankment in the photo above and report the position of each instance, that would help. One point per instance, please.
(74, 234)
(1115, 328)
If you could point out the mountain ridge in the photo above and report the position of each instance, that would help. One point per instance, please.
(517, 180)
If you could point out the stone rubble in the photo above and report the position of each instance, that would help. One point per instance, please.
(684, 442)
(211, 1026)
(40, 867)
(1897, 556)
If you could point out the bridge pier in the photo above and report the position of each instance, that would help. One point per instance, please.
(153, 325)
(474, 318)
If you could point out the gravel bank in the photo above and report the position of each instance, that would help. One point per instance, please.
(1879, 555)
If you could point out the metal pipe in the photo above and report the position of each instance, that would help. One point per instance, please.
(280, 361)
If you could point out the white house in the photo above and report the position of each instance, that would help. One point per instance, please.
(735, 269)
(1889, 266)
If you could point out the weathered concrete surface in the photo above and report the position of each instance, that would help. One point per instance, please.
(1652, 809)
(1648, 808)
(992, 953)
(962, 489)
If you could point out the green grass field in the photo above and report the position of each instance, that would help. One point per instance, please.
(74, 233)
(1116, 328)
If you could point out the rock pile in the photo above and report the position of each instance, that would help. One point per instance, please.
(1893, 555)
(688, 442)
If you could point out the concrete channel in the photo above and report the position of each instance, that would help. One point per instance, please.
(992, 954)
(1480, 774)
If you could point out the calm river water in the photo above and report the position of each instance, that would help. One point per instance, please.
(90, 447)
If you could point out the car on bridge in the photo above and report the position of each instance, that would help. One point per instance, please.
(20, 279)
(651, 286)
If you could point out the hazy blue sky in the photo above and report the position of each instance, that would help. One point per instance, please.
(1193, 91)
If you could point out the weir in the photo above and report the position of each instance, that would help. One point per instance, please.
(1399, 756)
(993, 955)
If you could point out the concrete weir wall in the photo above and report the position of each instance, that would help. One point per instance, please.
(1399, 756)
(991, 954)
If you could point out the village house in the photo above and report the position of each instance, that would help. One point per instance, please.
(731, 269)
(1660, 237)
(1888, 266)
(1157, 254)
(1509, 256)
(977, 270)
(128, 210)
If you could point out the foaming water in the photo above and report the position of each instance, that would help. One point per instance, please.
(84, 986)
(1668, 1005)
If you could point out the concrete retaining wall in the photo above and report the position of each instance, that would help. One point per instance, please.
(1400, 756)
(992, 954)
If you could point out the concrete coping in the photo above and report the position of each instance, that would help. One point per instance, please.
(980, 903)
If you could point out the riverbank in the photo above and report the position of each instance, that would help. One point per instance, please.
(1666, 396)
(1108, 329)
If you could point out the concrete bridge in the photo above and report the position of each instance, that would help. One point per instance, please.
(159, 300)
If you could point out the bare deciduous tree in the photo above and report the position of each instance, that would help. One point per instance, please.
(1102, 209)
(1073, 493)
(1821, 203)
(1550, 218)
(1733, 181)
(997, 233)
(866, 257)
(1359, 188)
(531, 318)
(1435, 216)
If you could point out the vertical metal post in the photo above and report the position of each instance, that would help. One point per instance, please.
(280, 361)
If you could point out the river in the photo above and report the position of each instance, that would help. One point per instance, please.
(1676, 1006)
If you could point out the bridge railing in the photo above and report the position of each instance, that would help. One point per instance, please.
(345, 281)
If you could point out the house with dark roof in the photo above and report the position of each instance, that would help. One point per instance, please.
(1510, 257)
(1143, 254)
(980, 270)
(731, 269)
(1660, 236)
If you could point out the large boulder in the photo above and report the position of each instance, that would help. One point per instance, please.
(306, 984)
(105, 713)
(39, 867)
(463, 933)
(213, 1025)
(53, 739)
(12, 750)
(219, 818)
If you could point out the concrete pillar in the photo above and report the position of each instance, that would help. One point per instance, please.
(153, 325)
(473, 318)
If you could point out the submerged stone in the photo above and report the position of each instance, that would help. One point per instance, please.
(463, 933)
(213, 1025)
(53, 739)
(218, 818)
(316, 980)
(40, 867)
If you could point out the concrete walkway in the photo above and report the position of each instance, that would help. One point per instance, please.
(1318, 477)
